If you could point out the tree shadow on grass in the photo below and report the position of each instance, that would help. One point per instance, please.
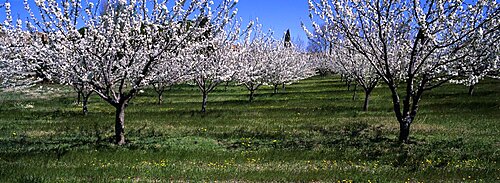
(353, 141)
(359, 140)
(460, 95)
(16, 114)
(95, 138)
(464, 106)
(232, 112)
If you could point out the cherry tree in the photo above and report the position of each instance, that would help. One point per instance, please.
(319, 49)
(211, 61)
(480, 61)
(118, 49)
(68, 71)
(264, 60)
(252, 59)
(412, 45)
(31, 59)
(20, 65)
(211, 68)
(341, 59)
(321, 62)
(356, 67)
(286, 65)
(84, 91)
(169, 72)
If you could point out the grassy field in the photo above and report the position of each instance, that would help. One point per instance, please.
(312, 132)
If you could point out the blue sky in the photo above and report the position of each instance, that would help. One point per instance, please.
(278, 15)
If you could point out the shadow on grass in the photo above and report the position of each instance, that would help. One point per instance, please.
(353, 141)
(16, 114)
(464, 106)
(96, 138)
(461, 95)
(184, 109)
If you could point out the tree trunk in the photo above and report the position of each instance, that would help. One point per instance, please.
(79, 98)
(354, 93)
(367, 100)
(251, 95)
(284, 88)
(404, 130)
(226, 85)
(275, 89)
(85, 101)
(160, 98)
(204, 103)
(159, 89)
(471, 90)
(348, 83)
(120, 124)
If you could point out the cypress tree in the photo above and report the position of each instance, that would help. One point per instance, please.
(288, 39)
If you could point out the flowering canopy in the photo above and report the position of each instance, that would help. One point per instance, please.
(415, 44)
(119, 51)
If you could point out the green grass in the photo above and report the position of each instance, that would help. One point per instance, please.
(312, 132)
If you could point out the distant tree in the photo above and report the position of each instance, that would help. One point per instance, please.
(321, 48)
(356, 68)
(252, 60)
(263, 60)
(480, 60)
(287, 39)
(211, 61)
(299, 44)
(287, 43)
(170, 72)
(286, 65)
(343, 58)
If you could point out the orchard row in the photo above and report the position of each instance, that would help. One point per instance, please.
(116, 49)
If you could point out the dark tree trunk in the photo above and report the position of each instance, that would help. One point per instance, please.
(404, 130)
(471, 90)
(284, 88)
(226, 85)
(85, 102)
(160, 98)
(159, 89)
(348, 83)
(120, 123)
(322, 73)
(354, 93)
(275, 89)
(204, 102)
(252, 93)
(79, 98)
(85, 108)
(367, 100)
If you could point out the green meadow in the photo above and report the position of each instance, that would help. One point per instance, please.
(312, 132)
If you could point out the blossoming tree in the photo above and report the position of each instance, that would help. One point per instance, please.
(286, 65)
(118, 49)
(356, 67)
(252, 59)
(211, 61)
(20, 53)
(480, 60)
(170, 72)
(412, 45)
